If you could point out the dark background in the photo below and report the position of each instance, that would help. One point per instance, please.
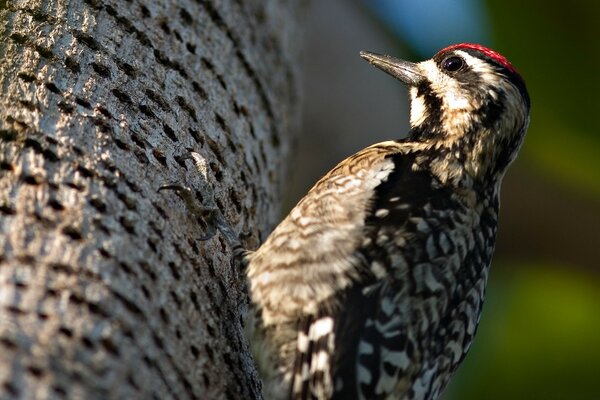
(539, 336)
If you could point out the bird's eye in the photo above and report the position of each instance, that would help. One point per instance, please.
(453, 64)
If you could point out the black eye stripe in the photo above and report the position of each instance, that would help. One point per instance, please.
(453, 63)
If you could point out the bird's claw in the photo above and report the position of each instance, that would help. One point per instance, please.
(210, 215)
(207, 214)
(187, 195)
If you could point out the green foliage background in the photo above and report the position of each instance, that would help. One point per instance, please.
(556, 45)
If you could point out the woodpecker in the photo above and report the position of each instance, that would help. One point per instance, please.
(372, 287)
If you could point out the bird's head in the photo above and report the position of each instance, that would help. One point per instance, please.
(467, 101)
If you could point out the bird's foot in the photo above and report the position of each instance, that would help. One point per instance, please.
(207, 212)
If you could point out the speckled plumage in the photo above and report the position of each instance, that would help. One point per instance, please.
(373, 285)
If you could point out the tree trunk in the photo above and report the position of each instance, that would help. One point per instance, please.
(105, 289)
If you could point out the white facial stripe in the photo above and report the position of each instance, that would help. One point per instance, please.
(453, 97)
(418, 111)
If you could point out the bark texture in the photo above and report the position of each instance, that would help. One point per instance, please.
(105, 290)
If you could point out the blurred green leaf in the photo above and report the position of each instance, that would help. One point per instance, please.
(555, 46)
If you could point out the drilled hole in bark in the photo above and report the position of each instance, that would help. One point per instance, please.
(28, 105)
(53, 88)
(132, 382)
(49, 155)
(195, 351)
(121, 144)
(205, 379)
(160, 157)
(8, 343)
(104, 111)
(175, 299)
(141, 156)
(65, 107)
(104, 253)
(170, 132)
(186, 17)
(173, 269)
(220, 205)
(72, 232)
(145, 291)
(101, 70)
(147, 111)
(77, 186)
(209, 351)
(35, 371)
(152, 245)
(21, 285)
(55, 205)
(26, 77)
(187, 108)
(158, 99)
(148, 270)
(196, 136)
(163, 316)
(98, 204)
(128, 69)
(199, 90)
(32, 180)
(86, 173)
(219, 119)
(83, 103)
(96, 309)
(158, 341)
(65, 331)
(33, 144)
(122, 96)
(15, 310)
(59, 390)
(26, 259)
(160, 211)
(128, 201)
(154, 226)
(275, 141)
(18, 38)
(10, 388)
(145, 11)
(73, 65)
(138, 140)
(193, 246)
(214, 147)
(87, 40)
(207, 64)
(165, 27)
(87, 342)
(236, 108)
(233, 196)
(194, 300)
(7, 209)
(110, 346)
(44, 51)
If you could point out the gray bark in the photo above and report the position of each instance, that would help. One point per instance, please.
(105, 289)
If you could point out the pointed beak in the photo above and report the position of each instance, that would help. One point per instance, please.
(405, 71)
